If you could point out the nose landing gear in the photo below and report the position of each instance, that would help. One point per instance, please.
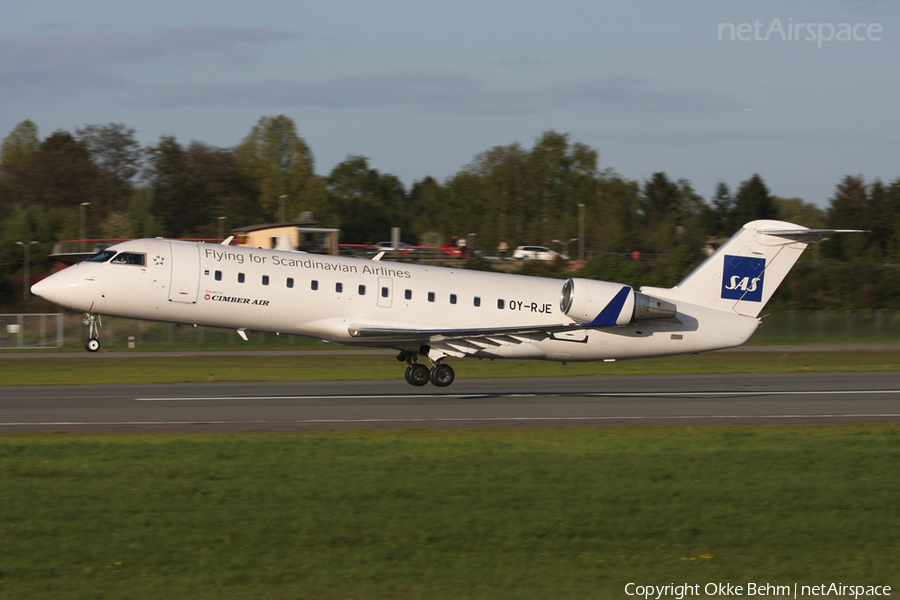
(417, 374)
(92, 344)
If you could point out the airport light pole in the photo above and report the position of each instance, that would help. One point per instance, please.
(222, 227)
(565, 245)
(581, 232)
(26, 282)
(471, 235)
(281, 200)
(84, 206)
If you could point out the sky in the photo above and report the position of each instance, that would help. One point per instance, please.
(802, 93)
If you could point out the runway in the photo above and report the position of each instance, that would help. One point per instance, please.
(683, 400)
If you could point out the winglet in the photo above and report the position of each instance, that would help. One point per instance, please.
(227, 241)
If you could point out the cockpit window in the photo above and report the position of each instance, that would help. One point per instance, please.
(102, 256)
(130, 258)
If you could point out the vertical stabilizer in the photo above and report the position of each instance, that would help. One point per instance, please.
(745, 271)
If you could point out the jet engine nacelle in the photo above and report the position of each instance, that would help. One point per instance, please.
(606, 304)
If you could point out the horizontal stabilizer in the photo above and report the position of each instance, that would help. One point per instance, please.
(810, 234)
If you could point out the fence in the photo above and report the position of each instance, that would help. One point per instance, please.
(32, 331)
(829, 327)
(35, 331)
(24, 331)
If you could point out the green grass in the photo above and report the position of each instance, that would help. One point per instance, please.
(563, 513)
(121, 368)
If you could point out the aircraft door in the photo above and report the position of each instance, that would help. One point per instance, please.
(385, 291)
(185, 283)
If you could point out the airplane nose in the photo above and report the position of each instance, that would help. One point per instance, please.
(53, 289)
(41, 288)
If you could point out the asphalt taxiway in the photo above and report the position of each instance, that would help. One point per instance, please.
(599, 401)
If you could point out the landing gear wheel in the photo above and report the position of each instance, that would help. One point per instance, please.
(417, 375)
(442, 375)
(92, 344)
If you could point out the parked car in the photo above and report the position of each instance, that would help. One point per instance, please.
(403, 248)
(459, 251)
(537, 253)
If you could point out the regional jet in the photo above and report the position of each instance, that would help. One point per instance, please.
(434, 313)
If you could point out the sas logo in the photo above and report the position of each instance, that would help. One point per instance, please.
(743, 278)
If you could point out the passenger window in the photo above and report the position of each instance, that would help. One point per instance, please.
(500, 304)
(218, 275)
(408, 294)
(384, 292)
(477, 301)
(362, 290)
(130, 258)
(240, 278)
(339, 287)
(265, 280)
(452, 298)
(314, 285)
(290, 282)
(431, 296)
(102, 257)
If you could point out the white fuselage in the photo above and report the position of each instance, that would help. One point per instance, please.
(327, 296)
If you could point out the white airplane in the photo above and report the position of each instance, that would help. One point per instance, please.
(434, 312)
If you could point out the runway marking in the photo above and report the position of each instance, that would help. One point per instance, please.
(454, 419)
(531, 395)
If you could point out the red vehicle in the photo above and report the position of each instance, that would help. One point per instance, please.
(458, 251)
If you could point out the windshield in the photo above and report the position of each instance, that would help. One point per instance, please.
(130, 258)
(102, 256)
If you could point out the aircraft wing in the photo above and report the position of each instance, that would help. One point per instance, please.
(461, 342)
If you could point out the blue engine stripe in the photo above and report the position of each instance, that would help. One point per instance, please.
(610, 314)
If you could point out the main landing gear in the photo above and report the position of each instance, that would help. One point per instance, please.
(418, 374)
(92, 344)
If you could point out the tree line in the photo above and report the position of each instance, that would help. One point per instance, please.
(510, 194)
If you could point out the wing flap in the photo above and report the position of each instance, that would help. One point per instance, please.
(454, 350)
(460, 340)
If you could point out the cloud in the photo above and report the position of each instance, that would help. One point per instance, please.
(639, 94)
(411, 87)
(81, 61)
(83, 48)
(64, 64)
(522, 61)
(430, 91)
(866, 4)
(55, 82)
(695, 137)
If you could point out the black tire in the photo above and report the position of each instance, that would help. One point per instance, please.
(442, 375)
(417, 375)
(92, 344)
